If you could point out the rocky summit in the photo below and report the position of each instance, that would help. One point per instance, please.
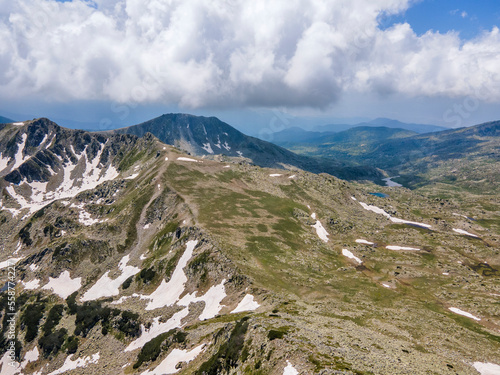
(122, 254)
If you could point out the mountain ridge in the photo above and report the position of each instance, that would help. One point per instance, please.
(179, 263)
(386, 122)
(210, 136)
(5, 120)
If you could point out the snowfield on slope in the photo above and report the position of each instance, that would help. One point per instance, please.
(212, 299)
(487, 368)
(168, 293)
(31, 285)
(401, 248)
(70, 364)
(350, 255)
(64, 285)
(289, 369)
(463, 313)
(157, 329)
(380, 211)
(320, 230)
(461, 231)
(168, 365)
(107, 287)
(91, 177)
(364, 242)
(248, 303)
(182, 158)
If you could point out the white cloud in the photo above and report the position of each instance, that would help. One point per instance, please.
(223, 53)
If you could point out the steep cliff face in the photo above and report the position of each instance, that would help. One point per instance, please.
(133, 257)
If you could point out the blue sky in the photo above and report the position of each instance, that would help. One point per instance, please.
(120, 62)
(468, 17)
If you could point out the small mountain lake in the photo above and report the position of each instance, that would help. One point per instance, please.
(380, 195)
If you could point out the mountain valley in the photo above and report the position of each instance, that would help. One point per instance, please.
(139, 251)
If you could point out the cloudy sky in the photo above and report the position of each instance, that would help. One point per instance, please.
(116, 62)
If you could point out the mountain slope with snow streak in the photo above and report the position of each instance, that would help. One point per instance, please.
(41, 162)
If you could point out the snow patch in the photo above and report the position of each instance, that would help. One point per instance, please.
(18, 158)
(380, 211)
(226, 166)
(239, 153)
(33, 267)
(292, 176)
(275, 175)
(207, 147)
(9, 367)
(350, 255)
(402, 248)
(85, 217)
(365, 242)
(18, 123)
(320, 230)
(18, 249)
(461, 231)
(69, 364)
(248, 303)
(64, 285)
(107, 287)
(157, 329)
(168, 365)
(487, 368)
(212, 299)
(70, 187)
(9, 262)
(188, 159)
(168, 293)
(289, 369)
(30, 356)
(132, 177)
(463, 313)
(32, 285)
(386, 285)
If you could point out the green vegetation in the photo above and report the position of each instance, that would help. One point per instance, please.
(279, 333)
(146, 275)
(153, 348)
(228, 355)
(126, 284)
(88, 315)
(137, 204)
(31, 317)
(71, 302)
(52, 342)
(72, 344)
(24, 235)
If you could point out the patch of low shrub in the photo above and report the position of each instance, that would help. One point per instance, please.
(229, 352)
(31, 317)
(153, 348)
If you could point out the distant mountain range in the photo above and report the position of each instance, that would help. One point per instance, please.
(5, 120)
(386, 122)
(209, 136)
(324, 133)
(452, 155)
(355, 136)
